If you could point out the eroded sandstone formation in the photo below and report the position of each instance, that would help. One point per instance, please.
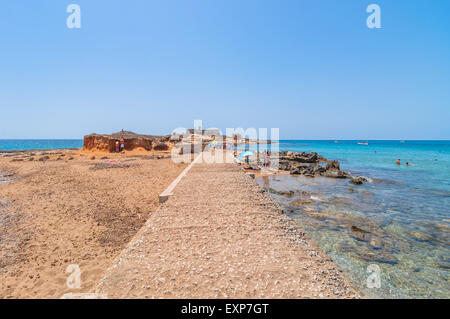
(132, 141)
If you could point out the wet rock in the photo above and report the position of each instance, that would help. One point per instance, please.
(282, 193)
(319, 169)
(301, 202)
(332, 165)
(378, 257)
(358, 180)
(375, 242)
(359, 233)
(421, 236)
(301, 157)
(336, 174)
(284, 165)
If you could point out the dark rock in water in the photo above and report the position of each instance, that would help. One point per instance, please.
(319, 169)
(288, 194)
(308, 164)
(421, 236)
(378, 257)
(288, 210)
(363, 253)
(358, 180)
(332, 165)
(375, 242)
(284, 166)
(301, 157)
(351, 190)
(359, 233)
(336, 174)
(301, 202)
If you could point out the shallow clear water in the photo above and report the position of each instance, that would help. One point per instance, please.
(8, 145)
(402, 216)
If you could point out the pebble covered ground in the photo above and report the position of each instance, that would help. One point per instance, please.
(221, 236)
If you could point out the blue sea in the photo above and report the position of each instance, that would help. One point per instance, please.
(402, 215)
(9, 145)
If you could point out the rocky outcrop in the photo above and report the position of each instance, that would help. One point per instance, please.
(310, 164)
(160, 146)
(332, 165)
(358, 180)
(131, 141)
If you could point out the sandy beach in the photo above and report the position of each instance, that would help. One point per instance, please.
(72, 207)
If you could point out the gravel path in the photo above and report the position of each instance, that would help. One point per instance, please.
(221, 236)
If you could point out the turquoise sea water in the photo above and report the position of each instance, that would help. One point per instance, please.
(8, 145)
(404, 212)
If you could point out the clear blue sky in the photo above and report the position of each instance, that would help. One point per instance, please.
(311, 68)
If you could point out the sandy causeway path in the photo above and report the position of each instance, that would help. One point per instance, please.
(221, 236)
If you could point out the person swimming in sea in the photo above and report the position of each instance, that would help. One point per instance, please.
(398, 162)
(407, 164)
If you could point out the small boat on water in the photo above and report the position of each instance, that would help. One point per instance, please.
(363, 143)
